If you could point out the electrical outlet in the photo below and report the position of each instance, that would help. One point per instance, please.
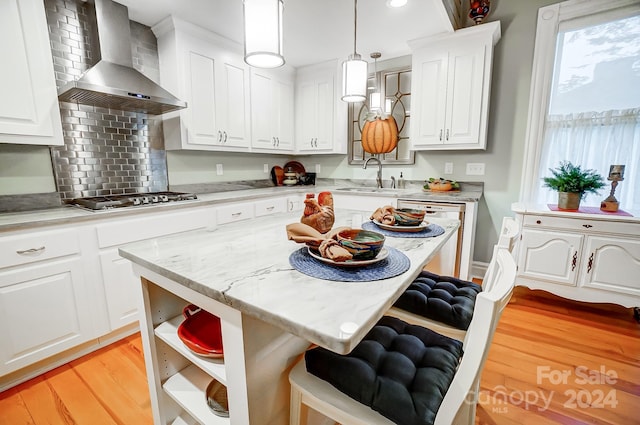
(475, 169)
(448, 167)
(219, 170)
(317, 170)
(265, 168)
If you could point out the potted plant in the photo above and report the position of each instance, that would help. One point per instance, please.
(572, 183)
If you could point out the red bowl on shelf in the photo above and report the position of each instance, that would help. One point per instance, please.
(201, 332)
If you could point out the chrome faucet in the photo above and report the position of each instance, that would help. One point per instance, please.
(379, 176)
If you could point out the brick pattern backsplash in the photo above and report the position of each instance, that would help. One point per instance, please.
(105, 151)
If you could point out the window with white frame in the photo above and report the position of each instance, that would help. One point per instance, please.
(585, 98)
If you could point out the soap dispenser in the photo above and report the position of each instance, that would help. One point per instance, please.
(401, 182)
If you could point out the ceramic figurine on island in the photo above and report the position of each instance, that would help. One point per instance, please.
(319, 214)
(478, 10)
(616, 174)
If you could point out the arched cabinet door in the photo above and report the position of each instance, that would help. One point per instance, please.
(612, 264)
(553, 256)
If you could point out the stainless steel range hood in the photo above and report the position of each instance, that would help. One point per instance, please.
(113, 82)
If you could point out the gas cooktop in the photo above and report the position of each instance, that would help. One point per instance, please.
(97, 203)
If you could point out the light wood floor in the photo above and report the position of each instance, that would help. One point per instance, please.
(539, 338)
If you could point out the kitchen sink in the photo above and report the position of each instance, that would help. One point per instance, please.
(365, 190)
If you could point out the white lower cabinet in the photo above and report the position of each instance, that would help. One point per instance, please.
(65, 291)
(612, 264)
(586, 259)
(295, 203)
(44, 299)
(270, 206)
(550, 256)
(119, 288)
(236, 211)
(120, 284)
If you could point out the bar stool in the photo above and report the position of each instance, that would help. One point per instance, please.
(445, 304)
(402, 373)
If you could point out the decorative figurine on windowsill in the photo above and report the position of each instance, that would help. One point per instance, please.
(616, 174)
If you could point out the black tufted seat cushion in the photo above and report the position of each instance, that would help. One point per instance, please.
(444, 299)
(401, 371)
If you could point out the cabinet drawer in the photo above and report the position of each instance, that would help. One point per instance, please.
(30, 247)
(235, 212)
(123, 231)
(270, 206)
(584, 225)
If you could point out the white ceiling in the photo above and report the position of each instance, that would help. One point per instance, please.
(314, 30)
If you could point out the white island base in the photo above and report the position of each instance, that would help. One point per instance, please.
(254, 351)
(270, 314)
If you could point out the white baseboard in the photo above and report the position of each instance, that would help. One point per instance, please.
(478, 269)
(19, 376)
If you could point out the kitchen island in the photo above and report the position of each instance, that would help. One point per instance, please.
(270, 313)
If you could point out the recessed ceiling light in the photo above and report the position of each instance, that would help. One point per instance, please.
(396, 3)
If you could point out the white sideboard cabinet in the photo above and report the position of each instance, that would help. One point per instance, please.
(451, 82)
(29, 111)
(593, 258)
(208, 72)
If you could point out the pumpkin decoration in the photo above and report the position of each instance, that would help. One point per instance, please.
(380, 135)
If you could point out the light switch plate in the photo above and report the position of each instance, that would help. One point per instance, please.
(317, 169)
(265, 169)
(219, 170)
(475, 169)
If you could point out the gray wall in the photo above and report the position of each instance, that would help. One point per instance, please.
(503, 158)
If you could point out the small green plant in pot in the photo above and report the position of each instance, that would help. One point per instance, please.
(572, 183)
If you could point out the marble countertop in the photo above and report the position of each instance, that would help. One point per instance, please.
(246, 266)
(71, 214)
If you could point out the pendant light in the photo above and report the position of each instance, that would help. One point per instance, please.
(263, 33)
(375, 98)
(354, 69)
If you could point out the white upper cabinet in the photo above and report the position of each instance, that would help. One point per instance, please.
(319, 126)
(208, 72)
(29, 111)
(272, 110)
(451, 81)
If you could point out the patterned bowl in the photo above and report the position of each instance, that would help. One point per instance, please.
(408, 217)
(362, 244)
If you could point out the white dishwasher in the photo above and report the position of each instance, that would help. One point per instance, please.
(447, 261)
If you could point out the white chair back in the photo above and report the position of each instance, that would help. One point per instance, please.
(509, 232)
(458, 405)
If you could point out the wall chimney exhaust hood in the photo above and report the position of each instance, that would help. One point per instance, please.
(113, 82)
